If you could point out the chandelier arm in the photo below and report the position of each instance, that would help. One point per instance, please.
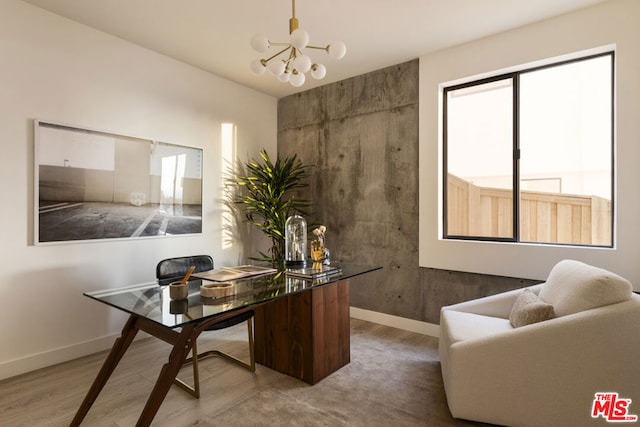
(326, 48)
(292, 55)
(277, 54)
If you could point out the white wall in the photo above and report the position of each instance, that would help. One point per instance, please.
(614, 22)
(57, 70)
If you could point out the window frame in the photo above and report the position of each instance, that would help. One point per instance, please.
(514, 76)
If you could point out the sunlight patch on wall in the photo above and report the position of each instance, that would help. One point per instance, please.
(228, 158)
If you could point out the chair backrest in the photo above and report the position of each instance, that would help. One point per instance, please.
(171, 269)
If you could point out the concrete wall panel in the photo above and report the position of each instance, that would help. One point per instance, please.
(361, 137)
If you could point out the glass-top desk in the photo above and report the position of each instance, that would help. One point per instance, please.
(151, 301)
(301, 326)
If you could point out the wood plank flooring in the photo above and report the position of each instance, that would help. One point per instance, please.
(393, 379)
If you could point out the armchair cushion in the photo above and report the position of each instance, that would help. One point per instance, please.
(466, 326)
(573, 286)
(529, 309)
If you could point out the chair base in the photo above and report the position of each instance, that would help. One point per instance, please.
(195, 389)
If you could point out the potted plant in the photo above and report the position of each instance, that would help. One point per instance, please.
(267, 197)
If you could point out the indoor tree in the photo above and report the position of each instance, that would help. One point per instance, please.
(267, 197)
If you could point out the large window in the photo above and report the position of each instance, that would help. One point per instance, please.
(528, 156)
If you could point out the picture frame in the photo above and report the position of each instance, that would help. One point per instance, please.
(93, 185)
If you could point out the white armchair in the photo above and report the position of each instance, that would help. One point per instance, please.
(545, 373)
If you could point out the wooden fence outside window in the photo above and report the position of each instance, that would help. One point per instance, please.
(544, 217)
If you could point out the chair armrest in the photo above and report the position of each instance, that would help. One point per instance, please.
(498, 305)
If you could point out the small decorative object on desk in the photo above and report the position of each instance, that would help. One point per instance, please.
(319, 254)
(295, 253)
(217, 289)
(178, 290)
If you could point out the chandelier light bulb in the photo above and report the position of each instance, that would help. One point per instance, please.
(318, 71)
(299, 39)
(260, 43)
(302, 63)
(297, 79)
(337, 50)
(284, 77)
(257, 67)
(276, 67)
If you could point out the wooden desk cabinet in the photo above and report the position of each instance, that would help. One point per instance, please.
(305, 335)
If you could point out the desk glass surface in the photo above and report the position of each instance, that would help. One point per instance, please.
(152, 301)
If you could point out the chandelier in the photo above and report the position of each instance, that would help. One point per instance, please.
(291, 63)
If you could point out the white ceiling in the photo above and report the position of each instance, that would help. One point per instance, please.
(214, 35)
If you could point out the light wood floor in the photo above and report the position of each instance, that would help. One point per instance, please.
(393, 379)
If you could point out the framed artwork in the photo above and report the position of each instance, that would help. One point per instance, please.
(93, 185)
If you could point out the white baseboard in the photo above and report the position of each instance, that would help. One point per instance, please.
(37, 361)
(411, 325)
(33, 362)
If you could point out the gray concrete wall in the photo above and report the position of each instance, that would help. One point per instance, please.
(361, 137)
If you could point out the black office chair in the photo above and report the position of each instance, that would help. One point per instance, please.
(172, 269)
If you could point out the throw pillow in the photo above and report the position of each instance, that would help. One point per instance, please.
(529, 309)
(573, 286)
